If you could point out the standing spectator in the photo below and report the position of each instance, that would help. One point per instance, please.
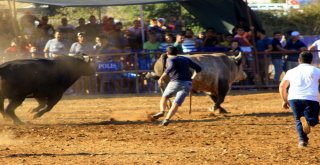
(28, 22)
(227, 40)
(277, 58)
(101, 45)
(263, 46)
(175, 25)
(303, 96)
(168, 42)
(92, 29)
(108, 25)
(134, 35)
(242, 37)
(46, 30)
(178, 44)
(180, 82)
(82, 26)
(162, 24)
(82, 47)
(189, 44)
(316, 48)
(151, 46)
(67, 30)
(234, 49)
(154, 28)
(57, 46)
(116, 37)
(210, 40)
(295, 45)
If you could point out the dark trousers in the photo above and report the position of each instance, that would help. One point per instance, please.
(307, 108)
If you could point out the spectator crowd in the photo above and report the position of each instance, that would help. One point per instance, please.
(109, 37)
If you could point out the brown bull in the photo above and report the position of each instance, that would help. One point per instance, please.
(218, 73)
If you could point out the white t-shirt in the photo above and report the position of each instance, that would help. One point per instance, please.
(304, 82)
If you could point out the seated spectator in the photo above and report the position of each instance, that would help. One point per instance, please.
(168, 42)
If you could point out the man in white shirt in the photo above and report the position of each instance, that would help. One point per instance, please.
(302, 96)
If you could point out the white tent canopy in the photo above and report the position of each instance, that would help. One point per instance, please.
(87, 3)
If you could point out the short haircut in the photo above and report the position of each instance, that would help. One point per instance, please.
(172, 50)
(262, 31)
(276, 32)
(306, 57)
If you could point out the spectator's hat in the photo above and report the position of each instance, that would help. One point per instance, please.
(162, 20)
(81, 34)
(295, 33)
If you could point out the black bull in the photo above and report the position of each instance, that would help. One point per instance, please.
(43, 79)
(218, 73)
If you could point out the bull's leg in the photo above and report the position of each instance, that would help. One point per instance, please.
(42, 103)
(13, 104)
(222, 92)
(214, 98)
(2, 108)
(50, 103)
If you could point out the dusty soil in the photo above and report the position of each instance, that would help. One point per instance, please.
(114, 129)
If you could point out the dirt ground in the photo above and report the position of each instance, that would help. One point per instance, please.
(114, 129)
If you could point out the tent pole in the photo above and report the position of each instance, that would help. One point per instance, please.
(256, 68)
(142, 23)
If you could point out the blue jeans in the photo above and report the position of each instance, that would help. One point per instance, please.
(181, 88)
(278, 68)
(308, 109)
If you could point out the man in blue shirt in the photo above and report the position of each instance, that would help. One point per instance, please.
(295, 44)
(180, 82)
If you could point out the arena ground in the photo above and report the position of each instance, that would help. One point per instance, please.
(114, 129)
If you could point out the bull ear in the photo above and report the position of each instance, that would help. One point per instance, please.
(238, 58)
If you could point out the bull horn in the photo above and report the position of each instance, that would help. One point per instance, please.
(238, 57)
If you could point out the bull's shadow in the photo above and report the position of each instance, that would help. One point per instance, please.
(215, 118)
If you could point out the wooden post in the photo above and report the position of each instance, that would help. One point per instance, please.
(136, 68)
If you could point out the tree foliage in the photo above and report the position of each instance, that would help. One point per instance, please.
(305, 20)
